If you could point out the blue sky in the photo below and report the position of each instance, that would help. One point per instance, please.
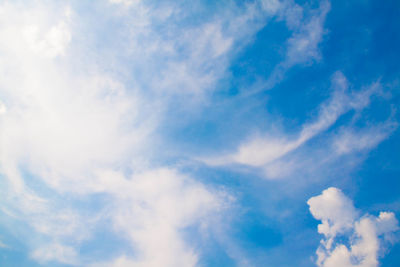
(199, 133)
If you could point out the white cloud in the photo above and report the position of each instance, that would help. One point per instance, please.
(335, 210)
(271, 6)
(307, 34)
(55, 252)
(124, 2)
(349, 140)
(75, 121)
(53, 43)
(265, 151)
(72, 125)
(60, 123)
(197, 54)
(33, 32)
(3, 108)
(151, 209)
(365, 235)
(303, 45)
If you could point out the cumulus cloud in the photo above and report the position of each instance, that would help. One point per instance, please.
(349, 239)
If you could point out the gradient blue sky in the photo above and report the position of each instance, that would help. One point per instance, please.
(199, 133)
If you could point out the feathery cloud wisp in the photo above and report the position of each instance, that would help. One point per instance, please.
(267, 151)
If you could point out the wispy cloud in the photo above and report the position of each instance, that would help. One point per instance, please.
(303, 47)
(349, 140)
(74, 124)
(151, 209)
(269, 152)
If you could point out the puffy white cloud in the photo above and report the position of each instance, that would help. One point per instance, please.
(335, 210)
(365, 235)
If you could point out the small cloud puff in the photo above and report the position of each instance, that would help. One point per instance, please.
(365, 235)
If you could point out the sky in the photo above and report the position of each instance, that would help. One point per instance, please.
(141, 133)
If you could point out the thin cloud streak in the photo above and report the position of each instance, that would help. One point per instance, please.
(263, 151)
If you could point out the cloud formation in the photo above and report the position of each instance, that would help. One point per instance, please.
(93, 95)
(349, 239)
(274, 153)
(303, 47)
(71, 128)
(151, 208)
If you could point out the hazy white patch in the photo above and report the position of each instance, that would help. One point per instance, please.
(150, 210)
(303, 45)
(3, 108)
(48, 40)
(125, 2)
(293, 14)
(3, 245)
(271, 6)
(70, 129)
(52, 44)
(349, 140)
(55, 252)
(365, 235)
